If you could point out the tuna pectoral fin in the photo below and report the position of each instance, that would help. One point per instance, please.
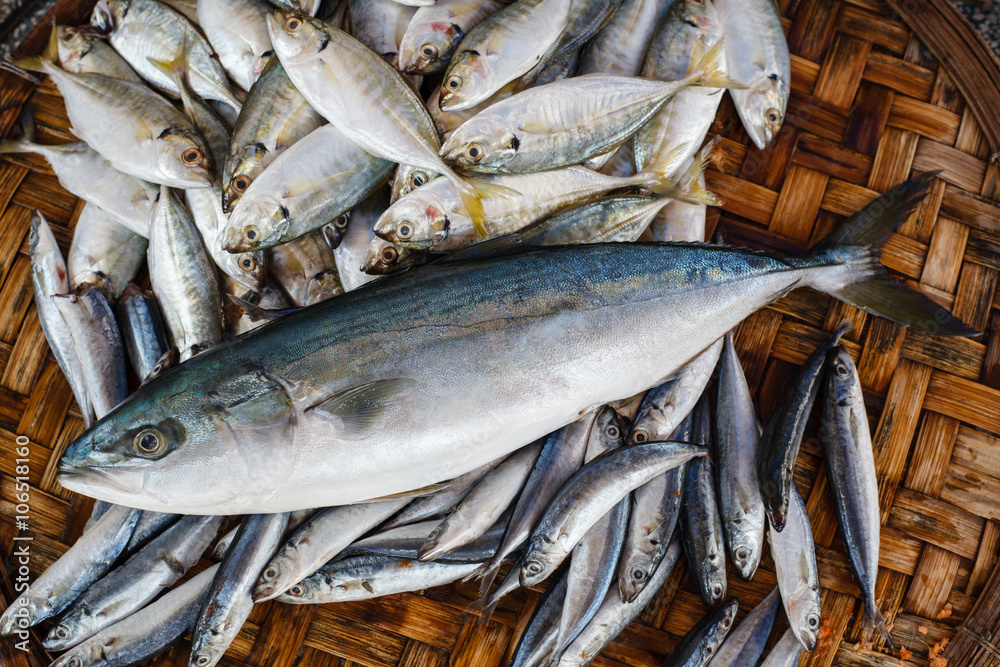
(360, 407)
(856, 244)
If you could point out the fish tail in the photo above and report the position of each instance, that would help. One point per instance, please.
(484, 608)
(873, 620)
(174, 68)
(487, 575)
(45, 61)
(691, 184)
(708, 69)
(853, 273)
(472, 191)
(688, 187)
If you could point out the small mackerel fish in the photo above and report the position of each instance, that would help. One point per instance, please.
(398, 294)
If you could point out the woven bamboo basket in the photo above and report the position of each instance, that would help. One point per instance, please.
(870, 106)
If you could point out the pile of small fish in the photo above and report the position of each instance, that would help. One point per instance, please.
(527, 388)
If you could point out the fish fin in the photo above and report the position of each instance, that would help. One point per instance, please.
(856, 245)
(255, 312)
(50, 56)
(483, 608)
(873, 620)
(709, 69)
(472, 196)
(691, 187)
(428, 490)
(537, 126)
(656, 177)
(509, 244)
(359, 407)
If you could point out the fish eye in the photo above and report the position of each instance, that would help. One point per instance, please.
(533, 567)
(191, 156)
(270, 573)
(429, 51)
(61, 632)
(240, 184)
(773, 116)
(341, 221)
(202, 660)
(474, 152)
(68, 35)
(251, 235)
(842, 370)
(293, 24)
(247, 262)
(717, 591)
(417, 179)
(611, 431)
(390, 255)
(454, 82)
(638, 574)
(742, 553)
(813, 621)
(640, 435)
(296, 591)
(404, 231)
(75, 661)
(149, 441)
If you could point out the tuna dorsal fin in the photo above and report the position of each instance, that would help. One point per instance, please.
(360, 407)
(509, 244)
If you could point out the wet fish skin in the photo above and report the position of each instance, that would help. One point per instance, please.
(143, 331)
(85, 562)
(782, 435)
(145, 633)
(365, 577)
(590, 494)
(247, 268)
(621, 45)
(318, 541)
(48, 278)
(785, 653)
(183, 278)
(305, 267)
(435, 31)
(89, 54)
(445, 500)
(405, 542)
(744, 645)
(228, 603)
(704, 639)
(104, 253)
(794, 554)
(380, 25)
(701, 526)
(148, 526)
(539, 637)
(129, 587)
(615, 614)
(850, 465)
(274, 116)
(737, 434)
(664, 407)
(350, 252)
(238, 33)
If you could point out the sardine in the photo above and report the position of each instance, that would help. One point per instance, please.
(737, 433)
(274, 116)
(539, 637)
(782, 435)
(316, 542)
(744, 645)
(143, 332)
(850, 466)
(129, 587)
(794, 555)
(147, 527)
(445, 500)
(315, 395)
(227, 604)
(104, 253)
(704, 639)
(85, 562)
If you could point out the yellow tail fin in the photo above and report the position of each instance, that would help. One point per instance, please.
(51, 55)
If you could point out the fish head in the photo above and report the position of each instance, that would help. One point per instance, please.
(481, 144)
(727, 616)
(334, 230)
(41, 240)
(763, 108)
(803, 611)
(253, 269)
(303, 591)
(258, 221)
(744, 548)
(408, 178)
(106, 14)
(183, 159)
(541, 559)
(842, 374)
(78, 623)
(415, 221)
(383, 258)
(323, 285)
(297, 37)
(429, 51)
(640, 569)
(279, 575)
(197, 436)
(72, 47)
(466, 83)
(207, 648)
(31, 608)
(240, 168)
(609, 431)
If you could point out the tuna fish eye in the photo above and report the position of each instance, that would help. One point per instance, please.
(474, 152)
(454, 82)
(293, 24)
(813, 621)
(251, 235)
(202, 659)
(417, 179)
(773, 116)
(429, 51)
(240, 184)
(404, 231)
(640, 435)
(533, 567)
(611, 431)
(390, 255)
(191, 156)
(296, 591)
(247, 262)
(341, 221)
(150, 441)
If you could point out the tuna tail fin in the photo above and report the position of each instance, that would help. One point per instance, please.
(856, 246)
(709, 67)
(873, 620)
(50, 56)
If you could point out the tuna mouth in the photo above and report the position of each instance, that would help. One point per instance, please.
(85, 479)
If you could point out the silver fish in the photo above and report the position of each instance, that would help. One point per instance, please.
(237, 31)
(539, 637)
(130, 641)
(621, 45)
(89, 54)
(383, 258)
(737, 435)
(435, 31)
(183, 278)
(247, 268)
(380, 25)
(228, 603)
(129, 587)
(785, 653)
(84, 563)
(405, 542)
(704, 639)
(306, 269)
(744, 645)
(794, 555)
(850, 466)
(483, 506)
(317, 541)
(104, 253)
(350, 253)
(590, 494)
(148, 526)
(143, 331)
